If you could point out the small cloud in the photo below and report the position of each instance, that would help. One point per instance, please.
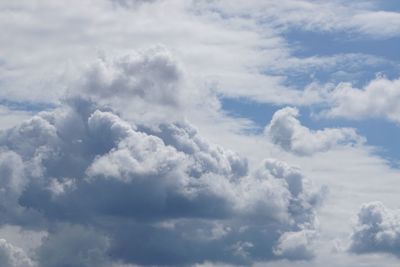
(286, 131)
(377, 230)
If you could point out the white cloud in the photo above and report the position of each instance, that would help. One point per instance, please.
(286, 131)
(377, 230)
(378, 99)
(152, 76)
(203, 36)
(294, 245)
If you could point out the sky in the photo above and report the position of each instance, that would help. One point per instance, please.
(199, 133)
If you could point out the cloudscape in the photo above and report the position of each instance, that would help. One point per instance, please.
(199, 133)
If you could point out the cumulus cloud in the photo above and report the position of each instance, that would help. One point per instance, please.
(132, 82)
(378, 99)
(286, 131)
(11, 256)
(377, 230)
(122, 192)
(296, 245)
(152, 76)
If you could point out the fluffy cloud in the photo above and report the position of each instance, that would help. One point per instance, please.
(161, 195)
(377, 230)
(378, 99)
(286, 131)
(296, 245)
(11, 256)
(152, 76)
(132, 82)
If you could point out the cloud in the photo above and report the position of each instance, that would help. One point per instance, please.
(131, 3)
(132, 82)
(378, 99)
(73, 246)
(10, 117)
(11, 256)
(319, 16)
(152, 76)
(160, 195)
(296, 245)
(377, 230)
(286, 131)
(255, 30)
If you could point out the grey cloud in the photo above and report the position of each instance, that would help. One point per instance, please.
(12, 256)
(286, 131)
(377, 230)
(73, 246)
(160, 195)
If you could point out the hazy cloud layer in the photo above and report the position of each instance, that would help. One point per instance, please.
(320, 16)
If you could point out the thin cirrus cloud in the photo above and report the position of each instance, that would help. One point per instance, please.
(319, 16)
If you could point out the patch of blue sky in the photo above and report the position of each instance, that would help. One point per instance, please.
(388, 5)
(383, 53)
(379, 133)
(33, 107)
(259, 113)
(310, 43)
(367, 59)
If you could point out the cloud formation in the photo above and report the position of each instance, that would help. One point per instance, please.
(286, 131)
(139, 190)
(122, 191)
(377, 230)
